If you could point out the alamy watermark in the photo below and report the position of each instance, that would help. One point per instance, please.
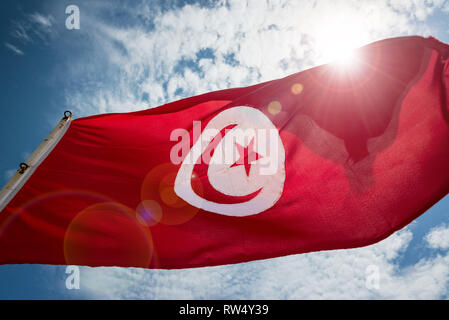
(372, 280)
(73, 279)
(231, 146)
(72, 22)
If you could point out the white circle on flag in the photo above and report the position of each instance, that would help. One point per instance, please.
(249, 159)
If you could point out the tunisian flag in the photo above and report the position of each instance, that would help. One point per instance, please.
(329, 158)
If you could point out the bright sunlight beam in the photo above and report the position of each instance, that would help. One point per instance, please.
(337, 39)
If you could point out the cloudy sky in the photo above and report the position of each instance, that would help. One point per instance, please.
(146, 53)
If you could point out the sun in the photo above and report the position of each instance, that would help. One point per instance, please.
(337, 40)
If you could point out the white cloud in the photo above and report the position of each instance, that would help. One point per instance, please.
(251, 41)
(418, 9)
(20, 32)
(438, 238)
(339, 274)
(33, 28)
(14, 49)
(44, 21)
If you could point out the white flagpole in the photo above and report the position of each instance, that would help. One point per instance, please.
(27, 168)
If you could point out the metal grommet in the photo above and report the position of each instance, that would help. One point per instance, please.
(22, 167)
(67, 114)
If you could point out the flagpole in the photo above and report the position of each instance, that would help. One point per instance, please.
(27, 168)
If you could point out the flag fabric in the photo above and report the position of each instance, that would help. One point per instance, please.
(332, 157)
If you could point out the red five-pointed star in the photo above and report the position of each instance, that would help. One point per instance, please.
(247, 155)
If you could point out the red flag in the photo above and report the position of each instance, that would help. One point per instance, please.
(327, 158)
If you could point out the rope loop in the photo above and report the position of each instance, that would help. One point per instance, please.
(22, 167)
(67, 114)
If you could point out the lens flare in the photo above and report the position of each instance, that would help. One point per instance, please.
(274, 107)
(29, 212)
(149, 213)
(297, 88)
(158, 187)
(107, 234)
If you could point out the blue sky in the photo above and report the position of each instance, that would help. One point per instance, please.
(142, 54)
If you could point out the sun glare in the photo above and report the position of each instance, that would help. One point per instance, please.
(337, 40)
